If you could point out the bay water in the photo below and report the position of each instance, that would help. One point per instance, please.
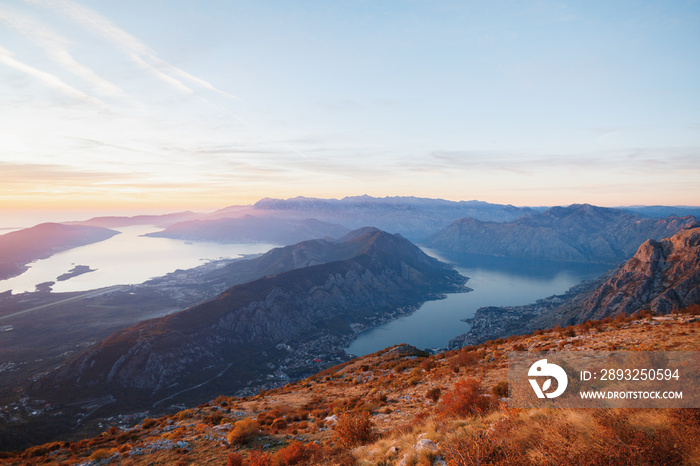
(496, 282)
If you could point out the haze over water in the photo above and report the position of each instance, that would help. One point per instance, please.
(125, 259)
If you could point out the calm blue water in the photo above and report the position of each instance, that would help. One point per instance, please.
(496, 282)
(125, 259)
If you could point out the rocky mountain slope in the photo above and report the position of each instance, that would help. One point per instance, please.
(249, 228)
(248, 332)
(19, 248)
(578, 233)
(661, 276)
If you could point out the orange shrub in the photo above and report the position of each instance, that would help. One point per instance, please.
(258, 458)
(294, 453)
(427, 365)
(279, 424)
(354, 428)
(466, 399)
(234, 459)
(500, 389)
(148, 422)
(100, 454)
(243, 431)
(433, 394)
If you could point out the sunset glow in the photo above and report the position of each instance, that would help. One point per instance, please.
(145, 106)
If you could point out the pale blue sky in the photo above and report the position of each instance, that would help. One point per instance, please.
(202, 104)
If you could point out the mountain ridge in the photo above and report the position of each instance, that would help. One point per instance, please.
(577, 233)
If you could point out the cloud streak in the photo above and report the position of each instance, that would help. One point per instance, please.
(131, 46)
(56, 48)
(630, 160)
(7, 58)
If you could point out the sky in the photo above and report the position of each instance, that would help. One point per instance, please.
(166, 105)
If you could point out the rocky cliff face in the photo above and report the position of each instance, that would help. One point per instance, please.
(578, 233)
(661, 276)
(237, 335)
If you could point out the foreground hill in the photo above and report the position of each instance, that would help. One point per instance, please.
(578, 233)
(249, 228)
(19, 248)
(402, 406)
(661, 276)
(259, 330)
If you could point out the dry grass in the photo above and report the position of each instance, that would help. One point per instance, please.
(466, 423)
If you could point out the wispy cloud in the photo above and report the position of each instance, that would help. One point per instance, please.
(56, 48)
(41, 176)
(134, 49)
(630, 160)
(8, 58)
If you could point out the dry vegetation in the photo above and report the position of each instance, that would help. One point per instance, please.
(402, 406)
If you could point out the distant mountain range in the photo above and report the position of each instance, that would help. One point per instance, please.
(247, 229)
(250, 329)
(660, 211)
(415, 218)
(577, 233)
(412, 217)
(19, 248)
